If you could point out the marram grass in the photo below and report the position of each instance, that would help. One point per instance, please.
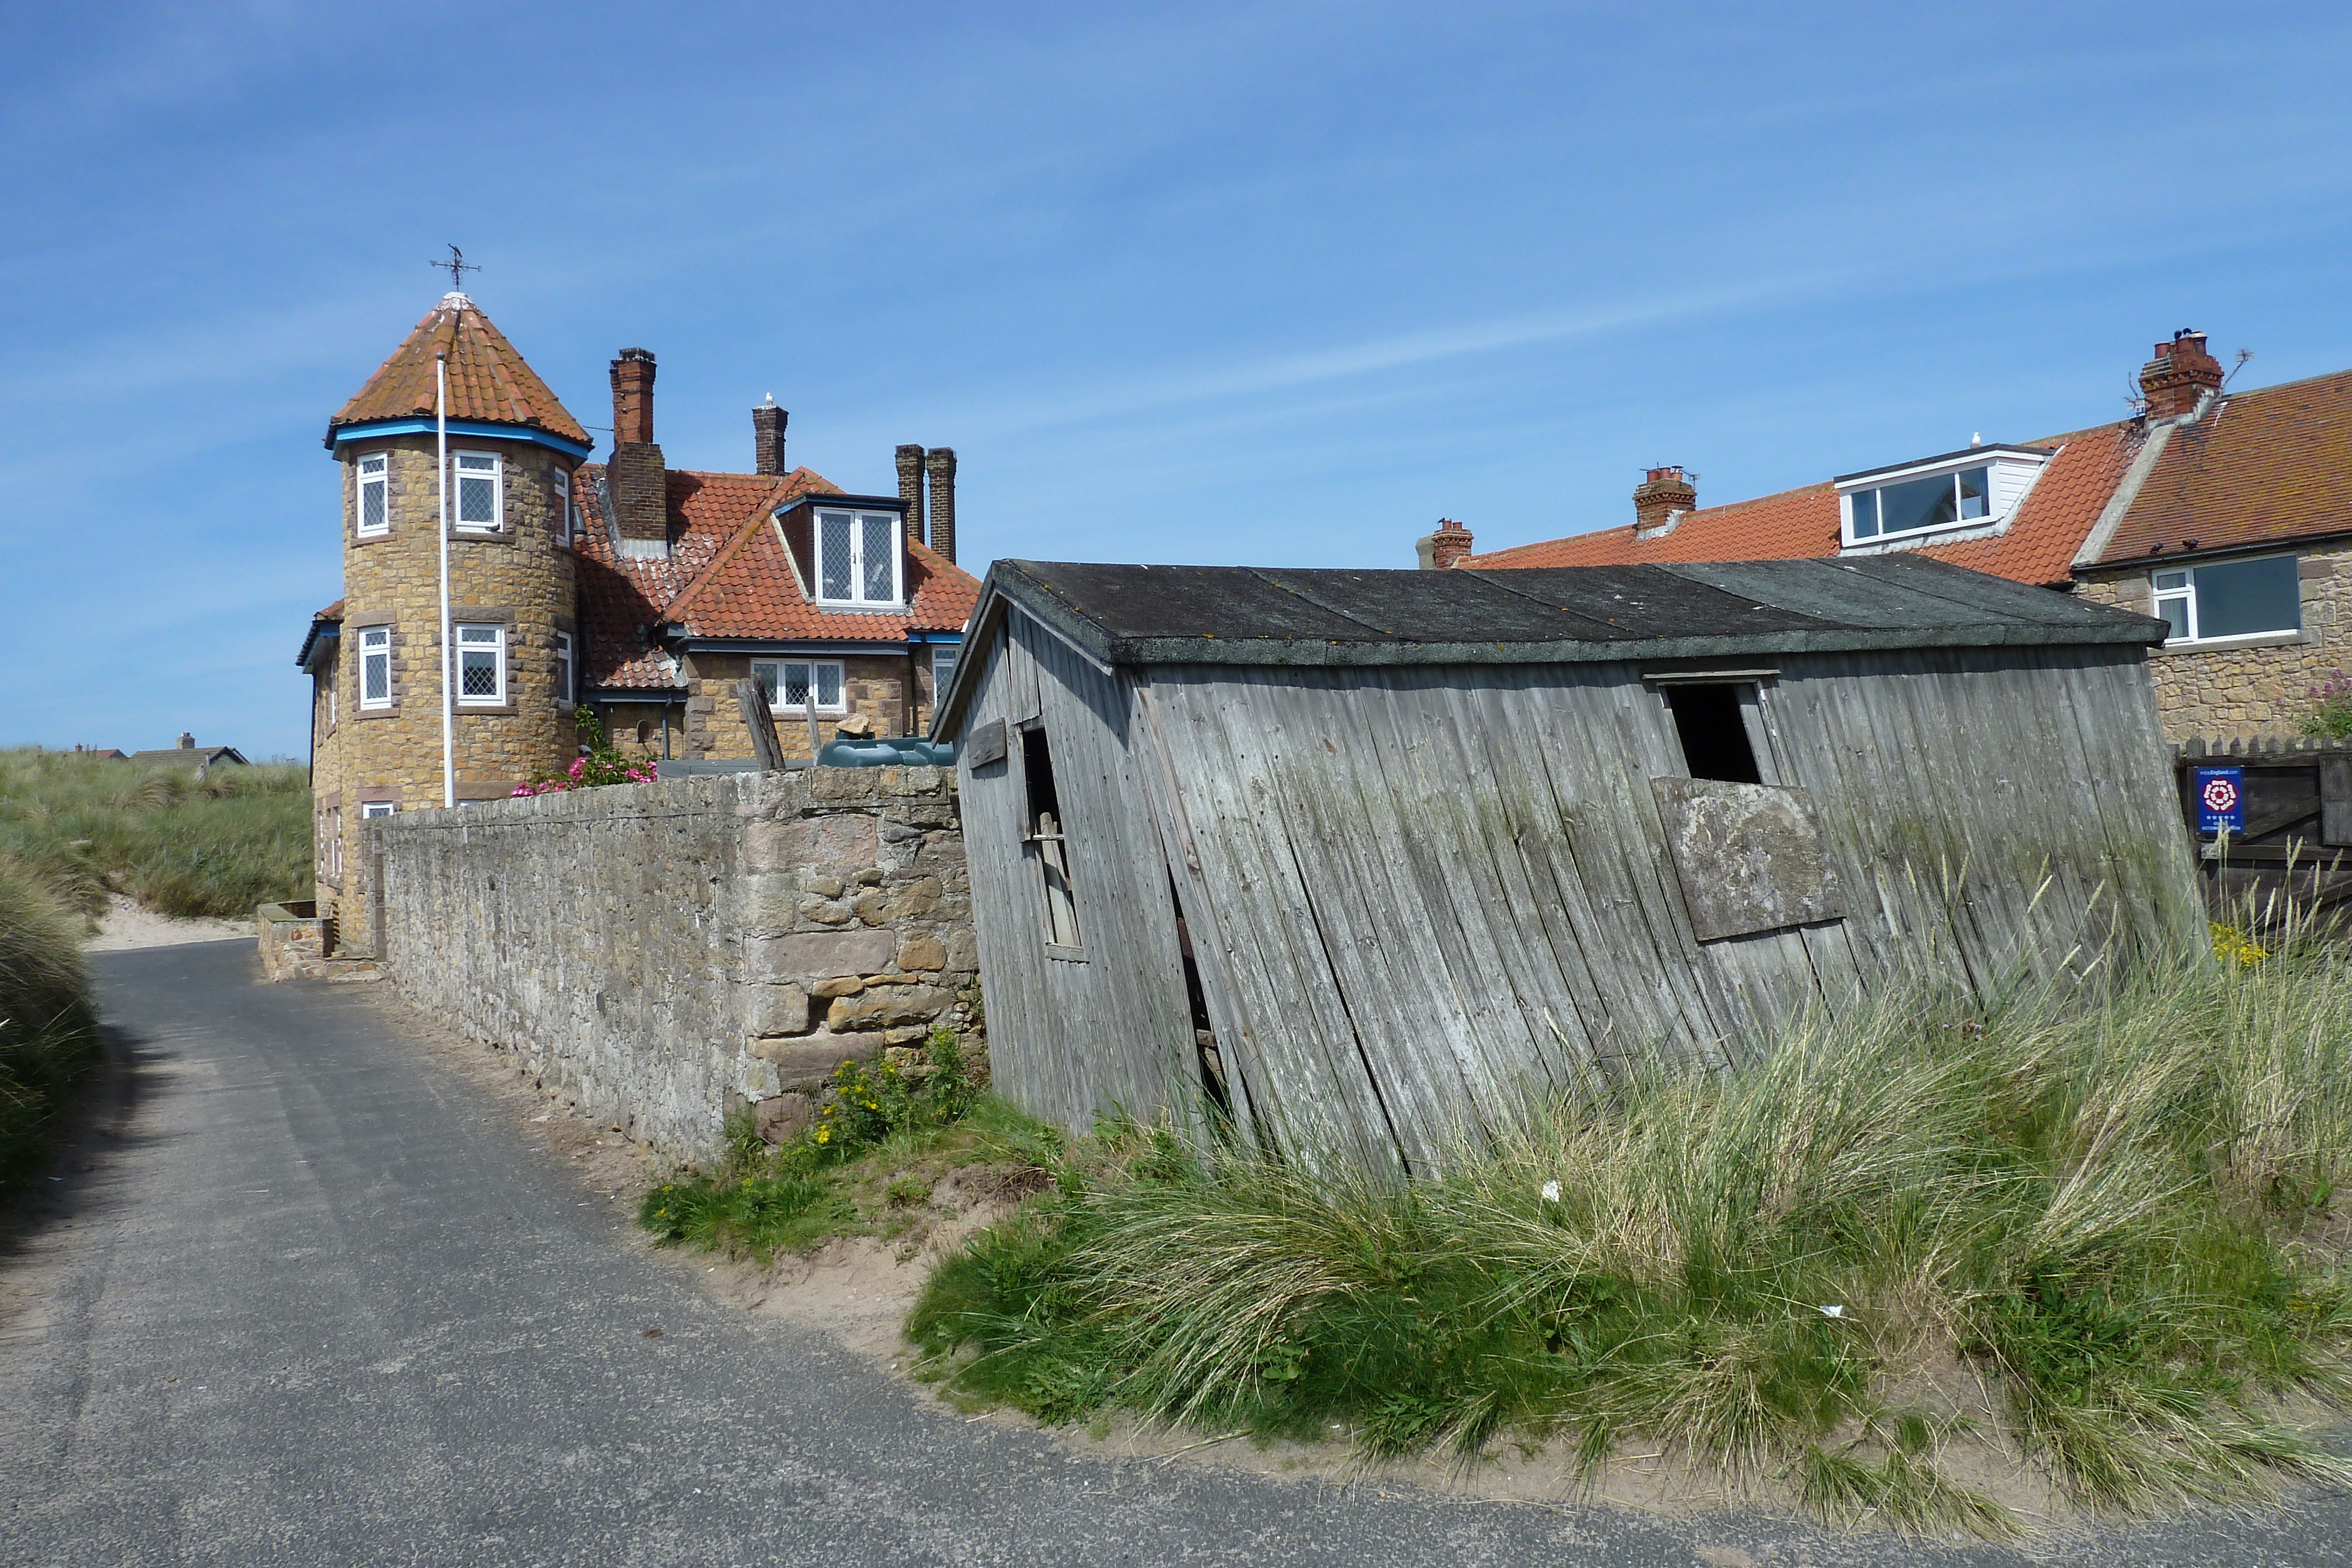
(2107, 1240)
(221, 845)
(48, 1037)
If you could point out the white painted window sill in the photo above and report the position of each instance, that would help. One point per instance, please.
(2222, 645)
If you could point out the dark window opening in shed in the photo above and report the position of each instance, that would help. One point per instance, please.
(1204, 1035)
(1714, 734)
(1045, 840)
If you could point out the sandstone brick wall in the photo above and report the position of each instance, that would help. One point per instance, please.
(874, 685)
(521, 577)
(2249, 692)
(663, 953)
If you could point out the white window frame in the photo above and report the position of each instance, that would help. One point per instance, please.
(376, 643)
(2184, 594)
(331, 851)
(378, 809)
(857, 558)
(778, 704)
(567, 671)
(563, 508)
(379, 480)
(498, 477)
(499, 652)
(2010, 474)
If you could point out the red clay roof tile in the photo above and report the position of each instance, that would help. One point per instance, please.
(728, 575)
(489, 381)
(2036, 547)
(2265, 466)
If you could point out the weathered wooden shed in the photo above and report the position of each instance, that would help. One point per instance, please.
(1368, 856)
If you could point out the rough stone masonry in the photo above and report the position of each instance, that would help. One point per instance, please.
(662, 954)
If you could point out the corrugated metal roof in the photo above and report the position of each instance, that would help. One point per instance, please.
(1250, 615)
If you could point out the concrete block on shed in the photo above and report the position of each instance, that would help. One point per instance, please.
(818, 955)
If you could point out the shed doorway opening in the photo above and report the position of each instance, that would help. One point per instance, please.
(1714, 733)
(1043, 835)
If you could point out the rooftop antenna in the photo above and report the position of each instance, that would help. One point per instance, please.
(457, 267)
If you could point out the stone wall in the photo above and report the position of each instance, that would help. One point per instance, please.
(663, 953)
(2257, 689)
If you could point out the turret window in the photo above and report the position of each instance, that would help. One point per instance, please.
(563, 507)
(375, 667)
(564, 694)
(481, 667)
(480, 507)
(375, 495)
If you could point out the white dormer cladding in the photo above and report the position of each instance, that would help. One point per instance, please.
(1966, 495)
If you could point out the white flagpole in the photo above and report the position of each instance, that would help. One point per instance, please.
(448, 698)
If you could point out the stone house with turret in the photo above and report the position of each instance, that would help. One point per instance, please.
(641, 592)
(2225, 513)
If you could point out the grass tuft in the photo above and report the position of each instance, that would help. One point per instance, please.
(49, 1034)
(2124, 1220)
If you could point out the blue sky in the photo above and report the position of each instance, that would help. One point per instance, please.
(1266, 284)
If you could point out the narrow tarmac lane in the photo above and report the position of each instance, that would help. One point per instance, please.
(322, 1305)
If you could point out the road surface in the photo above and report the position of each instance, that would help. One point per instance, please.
(324, 1304)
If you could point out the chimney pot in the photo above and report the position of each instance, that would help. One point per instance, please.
(634, 476)
(187, 741)
(1443, 548)
(2181, 372)
(1662, 497)
(939, 463)
(768, 423)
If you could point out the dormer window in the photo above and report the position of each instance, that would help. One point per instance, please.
(857, 558)
(1969, 492)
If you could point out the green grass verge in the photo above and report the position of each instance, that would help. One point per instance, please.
(2124, 1222)
(222, 845)
(870, 1166)
(48, 1035)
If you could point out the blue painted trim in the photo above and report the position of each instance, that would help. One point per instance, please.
(376, 427)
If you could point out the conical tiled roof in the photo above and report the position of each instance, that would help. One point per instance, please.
(489, 381)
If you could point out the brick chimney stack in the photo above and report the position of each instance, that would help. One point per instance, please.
(633, 475)
(2182, 372)
(187, 741)
(768, 423)
(1661, 497)
(939, 464)
(910, 490)
(1445, 547)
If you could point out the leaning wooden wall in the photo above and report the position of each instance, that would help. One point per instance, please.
(1071, 1038)
(1433, 890)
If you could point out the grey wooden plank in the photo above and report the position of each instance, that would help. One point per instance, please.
(1313, 1094)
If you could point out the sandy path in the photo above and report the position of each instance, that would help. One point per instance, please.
(126, 924)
